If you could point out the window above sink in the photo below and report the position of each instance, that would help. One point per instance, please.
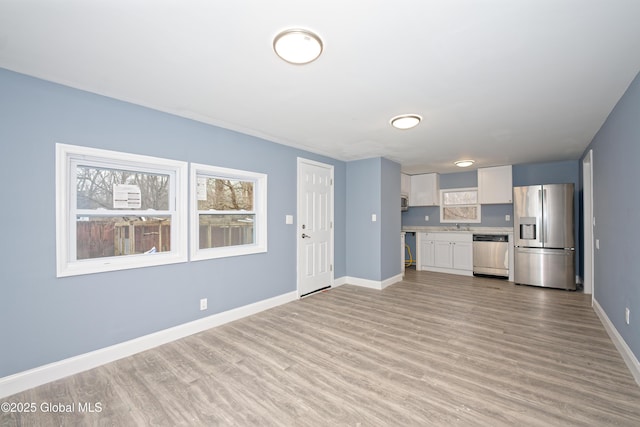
(460, 205)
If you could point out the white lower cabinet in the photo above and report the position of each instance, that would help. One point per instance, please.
(426, 256)
(463, 256)
(446, 252)
(443, 254)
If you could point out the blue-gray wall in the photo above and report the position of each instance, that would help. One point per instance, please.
(44, 319)
(616, 206)
(373, 247)
(390, 264)
(547, 173)
(363, 235)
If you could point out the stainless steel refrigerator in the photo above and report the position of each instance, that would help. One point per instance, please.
(544, 253)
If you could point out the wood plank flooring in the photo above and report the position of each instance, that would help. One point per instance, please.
(435, 349)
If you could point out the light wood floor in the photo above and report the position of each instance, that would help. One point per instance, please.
(434, 349)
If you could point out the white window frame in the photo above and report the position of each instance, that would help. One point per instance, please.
(443, 206)
(260, 212)
(66, 212)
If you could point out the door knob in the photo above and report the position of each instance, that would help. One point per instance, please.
(305, 236)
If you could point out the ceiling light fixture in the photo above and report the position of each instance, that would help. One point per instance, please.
(297, 46)
(464, 163)
(405, 121)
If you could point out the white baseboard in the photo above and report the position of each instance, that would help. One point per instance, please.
(624, 350)
(21, 381)
(366, 283)
(339, 281)
(391, 280)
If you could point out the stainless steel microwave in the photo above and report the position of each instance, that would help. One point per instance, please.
(404, 202)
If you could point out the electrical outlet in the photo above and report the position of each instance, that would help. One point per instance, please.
(203, 304)
(627, 314)
(507, 217)
(426, 217)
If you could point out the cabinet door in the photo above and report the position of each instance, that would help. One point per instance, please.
(424, 190)
(495, 185)
(442, 255)
(462, 255)
(426, 253)
(405, 184)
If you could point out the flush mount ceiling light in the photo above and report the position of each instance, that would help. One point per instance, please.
(405, 121)
(297, 46)
(464, 163)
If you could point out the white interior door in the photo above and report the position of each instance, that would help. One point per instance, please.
(315, 226)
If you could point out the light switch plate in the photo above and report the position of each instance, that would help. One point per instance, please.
(374, 217)
(288, 219)
(426, 217)
(507, 217)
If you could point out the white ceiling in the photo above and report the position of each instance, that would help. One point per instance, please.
(499, 81)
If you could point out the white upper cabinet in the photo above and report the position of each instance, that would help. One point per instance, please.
(425, 190)
(405, 184)
(495, 185)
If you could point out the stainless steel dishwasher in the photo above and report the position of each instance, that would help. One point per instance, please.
(491, 255)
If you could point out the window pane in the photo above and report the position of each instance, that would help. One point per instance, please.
(105, 188)
(226, 230)
(98, 237)
(224, 194)
(460, 197)
(462, 214)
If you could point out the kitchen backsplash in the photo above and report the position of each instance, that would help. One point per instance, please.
(492, 216)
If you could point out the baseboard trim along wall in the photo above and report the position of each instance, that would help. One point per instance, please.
(366, 283)
(21, 381)
(624, 350)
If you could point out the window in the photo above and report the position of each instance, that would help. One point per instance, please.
(459, 205)
(229, 212)
(117, 210)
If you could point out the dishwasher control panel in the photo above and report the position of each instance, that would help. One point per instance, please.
(490, 238)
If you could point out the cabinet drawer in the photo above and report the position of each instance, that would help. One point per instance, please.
(450, 237)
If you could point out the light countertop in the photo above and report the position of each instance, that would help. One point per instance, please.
(454, 229)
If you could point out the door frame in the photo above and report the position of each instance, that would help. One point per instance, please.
(587, 221)
(301, 161)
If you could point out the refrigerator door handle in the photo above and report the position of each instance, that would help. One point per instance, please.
(541, 198)
(544, 216)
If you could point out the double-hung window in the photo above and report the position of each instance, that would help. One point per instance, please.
(229, 212)
(118, 210)
(460, 205)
